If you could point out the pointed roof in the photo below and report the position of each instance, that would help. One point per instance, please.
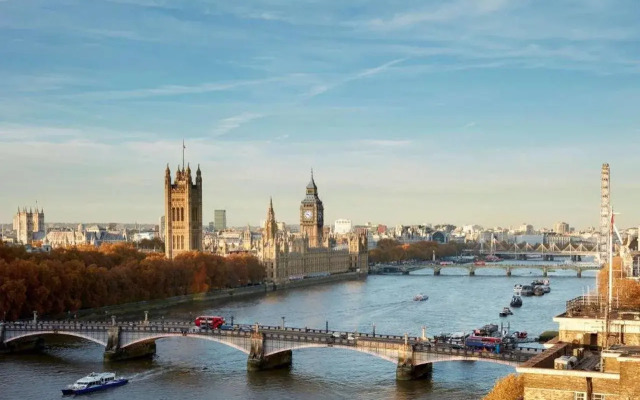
(312, 183)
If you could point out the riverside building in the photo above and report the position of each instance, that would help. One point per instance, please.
(312, 252)
(182, 212)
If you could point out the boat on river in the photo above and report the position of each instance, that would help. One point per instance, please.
(93, 382)
(420, 297)
(516, 301)
(506, 312)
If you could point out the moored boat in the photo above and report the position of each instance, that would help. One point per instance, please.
(538, 291)
(505, 312)
(516, 301)
(517, 289)
(420, 297)
(93, 382)
(526, 290)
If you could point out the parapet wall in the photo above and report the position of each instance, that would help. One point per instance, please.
(546, 358)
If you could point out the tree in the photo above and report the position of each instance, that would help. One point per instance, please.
(86, 277)
(511, 387)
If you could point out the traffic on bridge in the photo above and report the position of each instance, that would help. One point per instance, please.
(268, 346)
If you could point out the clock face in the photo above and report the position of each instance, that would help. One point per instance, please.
(308, 214)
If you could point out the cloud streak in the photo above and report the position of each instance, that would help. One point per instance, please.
(366, 73)
(226, 125)
(176, 90)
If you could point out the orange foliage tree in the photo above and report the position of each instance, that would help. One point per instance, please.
(66, 280)
(511, 387)
(626, 292)
(388, 250)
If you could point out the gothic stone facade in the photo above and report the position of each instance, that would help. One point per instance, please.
(287, 256)
(182, 212)
(26, 223)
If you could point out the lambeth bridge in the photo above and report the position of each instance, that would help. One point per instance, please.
(267, 347)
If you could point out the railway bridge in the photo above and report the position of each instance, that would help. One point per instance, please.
(267, 347)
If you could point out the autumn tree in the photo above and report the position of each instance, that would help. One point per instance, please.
(66, 280)
(511, 387)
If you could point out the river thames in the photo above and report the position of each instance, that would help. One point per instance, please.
(187, 368)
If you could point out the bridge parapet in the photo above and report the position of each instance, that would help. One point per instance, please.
(267, 346)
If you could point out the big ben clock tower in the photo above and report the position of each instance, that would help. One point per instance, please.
(312, 215)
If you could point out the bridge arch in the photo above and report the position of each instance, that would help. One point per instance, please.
(180, 335)
(426, 358)
(53, 332)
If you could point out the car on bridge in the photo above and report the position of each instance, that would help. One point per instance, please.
(342, 335)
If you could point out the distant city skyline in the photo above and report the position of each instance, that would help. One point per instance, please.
(488, 112)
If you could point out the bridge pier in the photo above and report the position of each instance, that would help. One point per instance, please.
(545, 271)
(406, 370)
(508, 271)
(258, 361)
(579, 273)
(436, 271)
(472, 271)
(113, 351)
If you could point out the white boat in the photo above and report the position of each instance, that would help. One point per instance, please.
(93, 382)
(420, 297)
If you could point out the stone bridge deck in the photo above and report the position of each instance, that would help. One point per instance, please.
(267, 346)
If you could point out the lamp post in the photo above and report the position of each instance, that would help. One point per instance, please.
(282, 323)
(374, 329)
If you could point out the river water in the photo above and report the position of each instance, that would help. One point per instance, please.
(187, 368)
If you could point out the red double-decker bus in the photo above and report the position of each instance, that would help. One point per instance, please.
(211, 322)
(483, 342)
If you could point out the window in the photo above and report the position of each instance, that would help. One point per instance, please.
(579, 396)
(181, 213)
(598, 396)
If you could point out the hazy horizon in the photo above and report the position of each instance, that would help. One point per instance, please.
(488, 112)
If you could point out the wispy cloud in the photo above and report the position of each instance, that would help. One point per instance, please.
(445, 12)
(174, 90)
(226, 125)
(369, 72)
(469, 125)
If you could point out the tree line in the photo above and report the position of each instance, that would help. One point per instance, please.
(67, 280)
(390, 250)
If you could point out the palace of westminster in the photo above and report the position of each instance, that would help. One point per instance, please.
(314, 251)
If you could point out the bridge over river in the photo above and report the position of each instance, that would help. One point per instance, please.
(507, 266)
(267, 347)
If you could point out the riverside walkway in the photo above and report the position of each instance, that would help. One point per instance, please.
(267, 347)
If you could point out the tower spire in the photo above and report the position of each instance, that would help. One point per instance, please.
(183, 147)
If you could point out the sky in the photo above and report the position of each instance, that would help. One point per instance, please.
(490, 112)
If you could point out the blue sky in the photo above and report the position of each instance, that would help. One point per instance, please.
(493, 112)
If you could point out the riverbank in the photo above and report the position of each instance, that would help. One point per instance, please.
(214, 297)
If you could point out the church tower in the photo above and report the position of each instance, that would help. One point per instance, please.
(270, 226)
(312, 215)
(182, 212)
